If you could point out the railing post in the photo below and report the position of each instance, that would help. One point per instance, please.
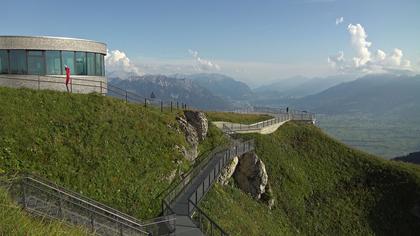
(161, 106)
(92, 222)
(196, 193)
(145, 102)
(24, 192)
(126, 96)
(121, 229)
(171, 106)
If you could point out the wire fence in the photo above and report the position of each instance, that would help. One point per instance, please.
(41, 197)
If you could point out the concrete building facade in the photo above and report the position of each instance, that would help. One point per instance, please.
(39, 62)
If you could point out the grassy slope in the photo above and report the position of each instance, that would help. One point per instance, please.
(321, 187)
(14, 221)
(236, 118)
(119, 154)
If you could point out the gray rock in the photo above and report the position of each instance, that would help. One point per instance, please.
(199, 121)
(192, 138)
(194, 125)
(228, 171)
(251, 175)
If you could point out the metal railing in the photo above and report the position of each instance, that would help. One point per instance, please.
(42, 197)
(274, 111)
(224, 159)
(173, 192)
(204, 222)
(231, 128)
(98, 86)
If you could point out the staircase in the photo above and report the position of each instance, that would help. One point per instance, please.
(44, 198)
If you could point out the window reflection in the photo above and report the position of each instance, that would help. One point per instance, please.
(81, 63)
(4, 62)
(51, 62)
(18, 62)
(36, 63)
(53, 59)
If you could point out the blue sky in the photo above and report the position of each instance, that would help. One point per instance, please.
(255, 41)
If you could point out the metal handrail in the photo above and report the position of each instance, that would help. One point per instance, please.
(51, 185)
(189, 176)
(77, 200)
(203, 215)
(105, 89)
(120, 220)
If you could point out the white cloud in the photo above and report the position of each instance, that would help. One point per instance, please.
(202, 64)
(339, 20)
(117, 61)
(364, 61)
(359, 42)
(337, 61)
(380, 55)
(396, 56)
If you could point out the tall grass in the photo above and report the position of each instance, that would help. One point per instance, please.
(321, 187)
(123, 155)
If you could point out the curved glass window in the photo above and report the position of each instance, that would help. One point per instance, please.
(81, 63)
(103, 65)
(90, 63)
(98, 64)
(51, 62)
(36, 63)
(68, 60)
(4, 62)
(53, 59)
(17, 61)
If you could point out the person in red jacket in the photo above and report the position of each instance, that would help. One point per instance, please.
(67, 77)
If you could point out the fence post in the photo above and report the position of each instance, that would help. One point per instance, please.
(171, 106)
(126, 96)
(161, 106)
(145, 102)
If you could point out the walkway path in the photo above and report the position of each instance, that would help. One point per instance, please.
(183, 204)
(267, 126)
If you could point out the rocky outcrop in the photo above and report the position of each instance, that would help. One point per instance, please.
(228, 171)
(250, 175)
(199, 121)
(194, 125)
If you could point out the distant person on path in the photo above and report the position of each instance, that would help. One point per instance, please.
(67, 77)
(287, 109)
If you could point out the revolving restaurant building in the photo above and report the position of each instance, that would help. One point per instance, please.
(39, 63)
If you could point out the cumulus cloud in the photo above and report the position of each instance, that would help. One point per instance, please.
(202, 64)
(359, 42)
(117, 61)
(364, 60)
(339, 20)
(337, 61)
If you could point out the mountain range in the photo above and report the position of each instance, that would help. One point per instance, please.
(376, 95)
(169, 88)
